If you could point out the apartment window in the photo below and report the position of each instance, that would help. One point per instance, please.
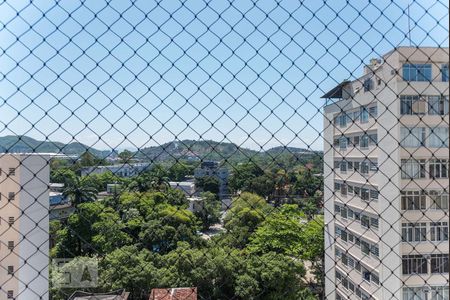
(364, 142)
(364, 115)
(412, 105)
(342, 120)
(413, 168)
(368, 84)
(444, 72)
(374, 222)
(365, 194)
(344, 259)
(366, 275)
(414, 293)
(439, 263)
(10, 245)
(10, 294)
(414, 232)
(343, 143)
(437, 105)
(365, 221)
(337, 208)
(10, 270)
(417, 72)
(344, 212)
(356, 141)
(356, 165)
(439, 231)
(373, 139)
(343, 189)
(373, 166)
(414, 264)
(350, 189)
(11, 196)
(440, 293)
(365, 167)
(344, 235)
(373, 112)
(439, 200)
(350, 165)
(438, 168)
(412, 137)
(438, 137)
(337, 186)
(413, 200)
(343, 166)
(365, 247)
(12, 171)
(375, 279)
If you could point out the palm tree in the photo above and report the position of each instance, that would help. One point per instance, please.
(159, 179)
(79, 190)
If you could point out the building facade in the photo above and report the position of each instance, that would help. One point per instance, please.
(213, 169)
(386, 193)
(24, 226)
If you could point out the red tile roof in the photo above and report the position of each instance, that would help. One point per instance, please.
(189, 293)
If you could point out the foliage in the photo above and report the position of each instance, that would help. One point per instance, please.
(209, 212)
(247, 213)
(80, 190)
(207, 184)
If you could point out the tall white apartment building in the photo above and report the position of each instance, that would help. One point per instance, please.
(24, 226)
(386, 173)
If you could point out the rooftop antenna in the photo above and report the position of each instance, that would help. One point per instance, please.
(409, 25)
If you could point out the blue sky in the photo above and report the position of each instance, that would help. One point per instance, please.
(130, 74)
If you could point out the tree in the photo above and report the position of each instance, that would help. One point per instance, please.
(75, 238)
(209, 212)
(63, 175)
(126, 156)
(248, 212)
(270, 276)
(178, 171)
(207, 184)
(263, 185)
(167, 226)
(280, 232)
(79, 191)
(159, 179)
(129, 268)
(242, 176)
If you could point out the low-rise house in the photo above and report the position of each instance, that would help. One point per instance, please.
(187, 187)
(121, 170)
(117, 295)
(60, 211)
(57, 198)
(185, 293)
(195, 204)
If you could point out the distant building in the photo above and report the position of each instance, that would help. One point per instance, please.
(213, 169)
(195, 204)
(187, 187)
(121, 170)
(56, 198)
(24, 247)
(56, 187)
(60, 211)
(117, 295)
(186, 293)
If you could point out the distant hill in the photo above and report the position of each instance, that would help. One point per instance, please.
(185, 149)
(12, 143)
(196, 150)
(212, 150)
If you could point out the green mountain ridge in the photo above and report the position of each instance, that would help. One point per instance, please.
(185, 149)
